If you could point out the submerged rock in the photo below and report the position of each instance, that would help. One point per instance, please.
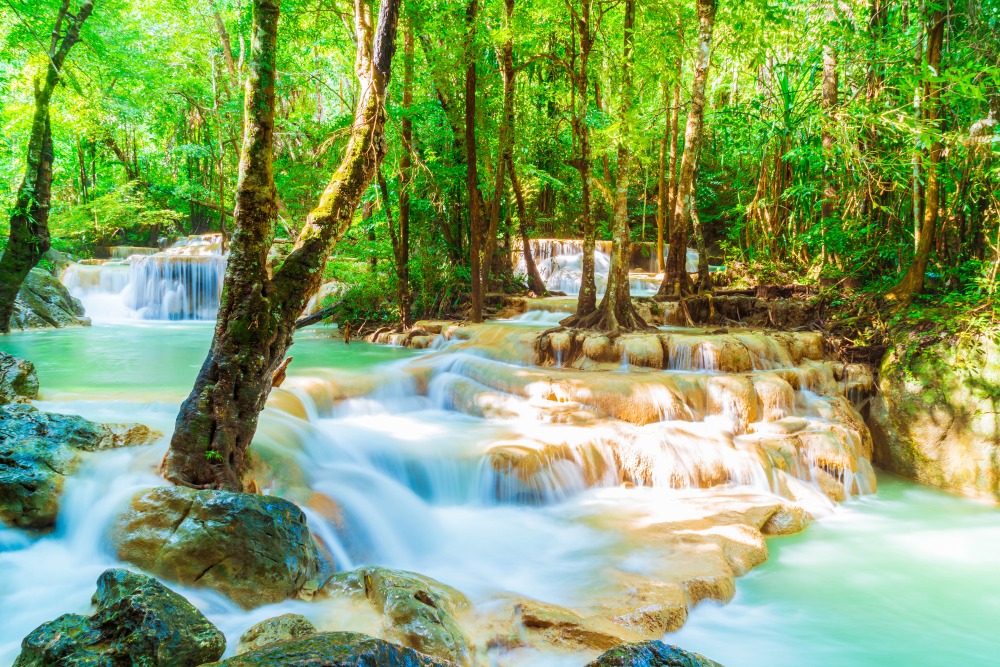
(277, 629)
(38, 450)
(935, 418)
(651, 654)
(333, 649)
(254, 549)
(44, 302)
(418, 611)
(138, 621)
(18, 381)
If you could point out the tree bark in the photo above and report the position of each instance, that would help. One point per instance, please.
(829, 104)
(471, 168)
(587, 300)
(675, 279)
(29, 223)
(535, 282)
(912, 282)
(257, 314)
(405, 180)
(661, 181)
(616, 312)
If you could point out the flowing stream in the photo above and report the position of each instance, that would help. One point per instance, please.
(877, 581)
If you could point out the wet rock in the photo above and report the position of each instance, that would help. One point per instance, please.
(651, 654)
(254, 549)
(44, 302)
(418, 612)
(38, 450)
(935, 418)
(18, 381)
(138, 621)
(333, 649)
(561, 626)
(278, 629)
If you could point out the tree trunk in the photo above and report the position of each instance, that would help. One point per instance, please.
(661, 181)
(829, 103)
(29, 222)
(616, 312)
(405, 181)
(675, 114)
(471, 168)
(535, 282)
(587, 299)
(675, 279)
(257, 314)
(912, 281)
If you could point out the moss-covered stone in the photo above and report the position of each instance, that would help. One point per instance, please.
(18, 380)
(418, 611)
(277, 629)
(333, 649)
(651, 654)
(38, 450)
(138, 621)
(44, 302)
(936, 418)
(255, 549)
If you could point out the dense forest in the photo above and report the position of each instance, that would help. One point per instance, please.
(829, 140)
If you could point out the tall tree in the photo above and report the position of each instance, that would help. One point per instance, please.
(616, 311)
(675, 278)
(471, 165)
(29, 222)
(257, 314)
(912, 281)
(829, 102)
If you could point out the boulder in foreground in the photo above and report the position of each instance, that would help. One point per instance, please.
(651, 654)
(333, 649)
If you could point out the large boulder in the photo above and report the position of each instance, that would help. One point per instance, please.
(44, 302)
(936, 418)
(255, 549)
(333, 649)
(38, 450)
(651, 654)
(417, 611)
(18, 381)
(138, 621)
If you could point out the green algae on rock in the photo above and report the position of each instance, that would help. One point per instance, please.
(254, 549)
(651, 654)
(333, 649)
(138, 621)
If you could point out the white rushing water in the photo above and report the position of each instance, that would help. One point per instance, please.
(182, 282)
(560, 265)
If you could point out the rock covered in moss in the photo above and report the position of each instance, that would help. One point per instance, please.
(43, 302)
(333, 649)
(254, 549)
(138, 621)
(418, 612)
(651, 654)
(277, 629)
(935, 418)
(38, 450)
(18, 380)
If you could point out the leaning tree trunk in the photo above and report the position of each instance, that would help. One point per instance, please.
(661, 181)
(405, 181)
(912, 281)
(29, 222)
(535, 281)
(675, 279)
(616, 312)
(828, 209)
(257, 314)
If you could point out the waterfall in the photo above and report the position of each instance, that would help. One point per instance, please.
(560, 265)
(182, 282)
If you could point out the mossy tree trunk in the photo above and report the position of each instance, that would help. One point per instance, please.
(616, 312)
(29, 222)
(675, 279)
(472, 167)
(257, 314)
(912, 281)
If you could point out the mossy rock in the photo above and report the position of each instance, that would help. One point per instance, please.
(333, 649)
(138, 622)
(651, 654)
(18, 380)
(43, 302)
(254, 549)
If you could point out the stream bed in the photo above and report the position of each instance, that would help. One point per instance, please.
(906, 577)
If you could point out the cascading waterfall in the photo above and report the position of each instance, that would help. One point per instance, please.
(560, 265)
(182, 282)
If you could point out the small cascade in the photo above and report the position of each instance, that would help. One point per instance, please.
(182, 282)
(560, 264)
